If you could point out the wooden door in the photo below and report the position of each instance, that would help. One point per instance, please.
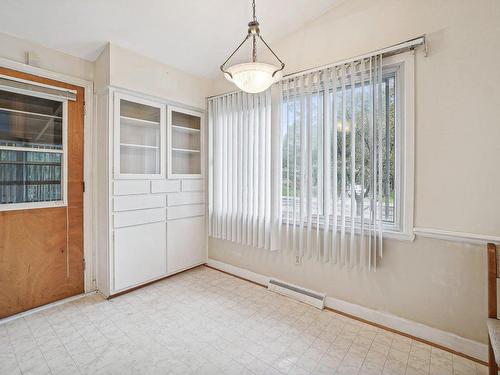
(41, 249)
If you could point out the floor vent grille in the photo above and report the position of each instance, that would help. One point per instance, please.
(303, 295)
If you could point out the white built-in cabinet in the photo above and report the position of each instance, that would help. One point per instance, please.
(139, 132)
(151, 217)
(185, 143)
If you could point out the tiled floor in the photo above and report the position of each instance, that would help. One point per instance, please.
(206, 322)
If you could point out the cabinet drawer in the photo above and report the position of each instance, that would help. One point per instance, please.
(140, 254)
(127, 218)
(137, 202)
(178, 212)
(193, 185)
(178, 199)
(186, 243)
(127, 187)
(163, 186)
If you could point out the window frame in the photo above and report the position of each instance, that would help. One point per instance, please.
(63, 202)
(405, 156)
(402, 228)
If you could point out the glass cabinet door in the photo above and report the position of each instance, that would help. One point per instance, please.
(185, 143)
(139, 137)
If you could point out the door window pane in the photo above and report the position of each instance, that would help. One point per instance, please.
(31, 149)
(27, 176)
(27, 121)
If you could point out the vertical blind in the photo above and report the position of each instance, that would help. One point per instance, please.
(241, 182)
(307, 181)
(332, 149)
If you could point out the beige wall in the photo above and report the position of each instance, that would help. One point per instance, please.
(438, 283)
(139, 73)
(15, 49)
(101, 69)
(115, 66)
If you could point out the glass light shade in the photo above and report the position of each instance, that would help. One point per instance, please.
(253, 77)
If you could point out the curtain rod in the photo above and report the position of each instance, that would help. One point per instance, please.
(385, 52)
(407, 45)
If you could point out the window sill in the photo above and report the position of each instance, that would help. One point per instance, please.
(400, 236)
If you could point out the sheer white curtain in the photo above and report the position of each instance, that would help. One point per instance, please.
(332, 140)
(241, 179)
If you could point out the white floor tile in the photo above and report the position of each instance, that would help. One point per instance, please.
(207, 322)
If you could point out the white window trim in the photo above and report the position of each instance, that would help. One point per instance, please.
(64, 180)
(402, 229)
(405, 164)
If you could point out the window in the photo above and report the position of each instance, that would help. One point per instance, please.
(32, 166)
(393, 141)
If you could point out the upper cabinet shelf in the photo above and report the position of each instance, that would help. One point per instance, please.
(142, 128)
(184, 150)
(139, 137)
(138, 121)
(139, 146)
(185, 143)
(185, 129)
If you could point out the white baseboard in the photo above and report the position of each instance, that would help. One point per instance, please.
(445, 339)
(448, 340)
(45, 307)
(240, 272)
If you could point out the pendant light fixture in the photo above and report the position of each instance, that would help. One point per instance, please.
(253, 77)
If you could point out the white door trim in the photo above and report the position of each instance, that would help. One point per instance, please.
(88, 248)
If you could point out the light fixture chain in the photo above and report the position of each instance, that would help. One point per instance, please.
(254, 49)
(253, 10)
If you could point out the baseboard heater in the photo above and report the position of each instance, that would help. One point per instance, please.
(303, 295)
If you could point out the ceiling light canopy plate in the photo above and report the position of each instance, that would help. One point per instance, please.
(253, 77)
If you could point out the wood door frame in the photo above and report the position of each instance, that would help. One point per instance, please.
(88, 196)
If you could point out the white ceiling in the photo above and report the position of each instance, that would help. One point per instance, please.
(193, 35)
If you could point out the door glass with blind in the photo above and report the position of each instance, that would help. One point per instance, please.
(31, 150)
(139, 138)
